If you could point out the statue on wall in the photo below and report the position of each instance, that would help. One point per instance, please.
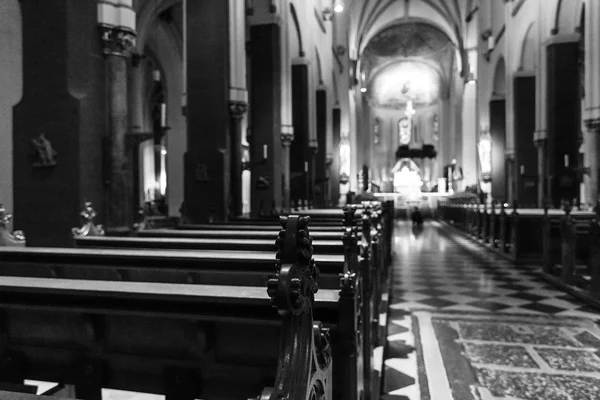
(46, 155)
(17, 238)
(88, 228)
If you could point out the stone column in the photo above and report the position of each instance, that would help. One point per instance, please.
(208, 62)
(592, 97)
(299, 150)
(525, 152)
(509, 161)
(321, 181)
(541, 143)
(63, 98)
(498, 132)
(311, 181)
(335, 152)
(287, 137)
(563, 117)
(237, 109)
(265, 114)
(118, 44)
(592, 144)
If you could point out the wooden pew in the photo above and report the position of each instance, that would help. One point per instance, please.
(368, 268)
(372, 269)
(185, 341)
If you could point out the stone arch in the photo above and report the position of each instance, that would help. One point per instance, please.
(319, 69)
(528, 58)
(146, 14)
(499, 82)
(298, 30)
(566, 17)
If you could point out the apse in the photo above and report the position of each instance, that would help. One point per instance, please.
(397, 84)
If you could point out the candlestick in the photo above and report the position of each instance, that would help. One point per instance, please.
(305, 166)
(264, 152)
(566, 160)
(522, 170)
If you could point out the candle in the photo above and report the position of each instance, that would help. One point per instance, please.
(163, 115)
(264, 152)
(305, 166)
(566, 160)
(522, 170)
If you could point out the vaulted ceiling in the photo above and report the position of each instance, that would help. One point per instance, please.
(407, 49)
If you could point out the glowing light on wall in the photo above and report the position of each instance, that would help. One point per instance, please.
(485, 155)
(344, 159)
(338, 7)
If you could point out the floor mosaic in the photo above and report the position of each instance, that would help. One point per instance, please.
(550, 345)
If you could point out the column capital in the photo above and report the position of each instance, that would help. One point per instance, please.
(117, 41)
(237, 108)
(313, 144)
(287, 135)
(593, 124)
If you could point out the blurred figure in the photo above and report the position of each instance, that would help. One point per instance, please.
(416, 216)
(417, 229)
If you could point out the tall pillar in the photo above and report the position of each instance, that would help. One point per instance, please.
(321, 157)
(526, 156)
(313, 151)
(299, 150)
(63, 99)
(207, 160)
(540, 136)
(237, 109)
(541, 143)
(287, 137)
(592, 98)
(118, 41)
(563, 118)
(11, 82)
(335, 152)
(265, 117)
(498, 133)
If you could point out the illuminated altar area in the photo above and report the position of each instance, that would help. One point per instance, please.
(407, 180)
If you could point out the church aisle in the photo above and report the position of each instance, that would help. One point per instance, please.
(466, 324)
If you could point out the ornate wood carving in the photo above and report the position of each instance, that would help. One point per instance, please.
(304, 366)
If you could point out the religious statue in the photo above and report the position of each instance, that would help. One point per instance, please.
(17, 238)
(46, 155)
(88, 227)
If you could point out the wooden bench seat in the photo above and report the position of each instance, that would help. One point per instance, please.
(244, 268)
(231, 234)
(183, 242)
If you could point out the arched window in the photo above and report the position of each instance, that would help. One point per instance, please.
(404, 128)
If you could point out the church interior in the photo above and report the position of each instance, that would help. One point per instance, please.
(300, 199)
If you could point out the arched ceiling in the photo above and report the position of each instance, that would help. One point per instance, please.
(368, 17)
(412, 60)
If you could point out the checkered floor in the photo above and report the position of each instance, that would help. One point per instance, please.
(436, 270)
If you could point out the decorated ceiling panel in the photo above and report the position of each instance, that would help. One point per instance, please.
(403, 81)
